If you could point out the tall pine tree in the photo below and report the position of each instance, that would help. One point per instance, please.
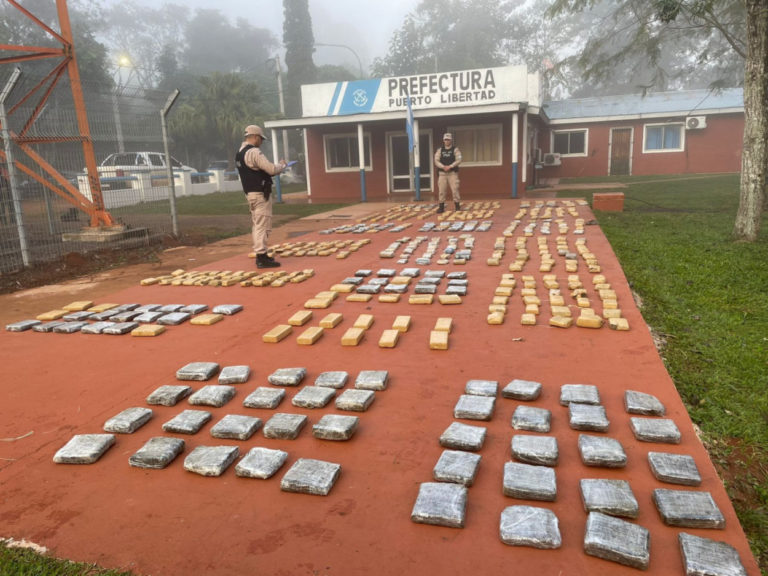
(299, 46)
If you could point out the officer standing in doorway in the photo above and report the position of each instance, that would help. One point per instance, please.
(447, 160)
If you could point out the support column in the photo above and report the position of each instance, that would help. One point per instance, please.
(514, 154)
(361, 161)
(99, 216)
(524, 155)
(275, 160)
(416, 160)
(306, 163)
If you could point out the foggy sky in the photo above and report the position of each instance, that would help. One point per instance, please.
(365, 26)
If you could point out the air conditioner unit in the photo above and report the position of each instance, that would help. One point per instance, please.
(695, 122)
(552, 159)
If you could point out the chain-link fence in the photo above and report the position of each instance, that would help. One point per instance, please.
(39, 218)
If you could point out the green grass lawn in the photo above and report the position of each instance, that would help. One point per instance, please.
(25, 562)
(706, 297)
(200, 217)
(223, 204)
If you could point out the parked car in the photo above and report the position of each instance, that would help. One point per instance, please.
(218, 165)
(287, 177)
(115, 170)
(137, 162)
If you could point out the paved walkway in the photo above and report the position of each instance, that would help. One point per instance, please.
(174, 522)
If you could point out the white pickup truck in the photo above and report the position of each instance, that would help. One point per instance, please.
(116, 169)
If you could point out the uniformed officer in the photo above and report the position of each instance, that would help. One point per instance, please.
(256, 173)
(447, 160)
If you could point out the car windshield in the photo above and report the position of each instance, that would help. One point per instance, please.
(120, 159)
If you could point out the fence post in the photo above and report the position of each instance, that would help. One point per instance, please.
(168, 167)
(11, 168)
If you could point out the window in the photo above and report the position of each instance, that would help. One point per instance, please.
(341, 152)
(570, 142)
(479, 145)
(663, 138)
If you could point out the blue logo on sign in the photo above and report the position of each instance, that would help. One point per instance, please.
(355, 97)
(360, 97)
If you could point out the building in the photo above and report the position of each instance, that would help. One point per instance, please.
(357, 134)
(683, 132)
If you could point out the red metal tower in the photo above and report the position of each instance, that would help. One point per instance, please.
(67, 64)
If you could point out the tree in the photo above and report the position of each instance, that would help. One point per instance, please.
(690, 33)
(146, 36)
(540, 41)
(754, 155)
(629, 48)
(213, 44)
(210, 123)
(407, 52)
(17, 29)
(334, 73)
(299, 44)
(441, 35)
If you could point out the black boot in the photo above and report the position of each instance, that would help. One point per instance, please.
(264, 261)
(441, 209)
(457, 206)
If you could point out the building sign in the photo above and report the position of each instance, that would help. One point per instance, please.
(439, 90)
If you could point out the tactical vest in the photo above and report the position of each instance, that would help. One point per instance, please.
(252, 180)
(448, 157)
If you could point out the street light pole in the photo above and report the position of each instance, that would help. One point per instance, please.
(282, 104)
(359, 63)
(118, 120)
(123, 61)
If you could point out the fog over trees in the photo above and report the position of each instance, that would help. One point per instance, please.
(226, 67)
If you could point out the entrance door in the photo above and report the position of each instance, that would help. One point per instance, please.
(621, 151)
(399, 162)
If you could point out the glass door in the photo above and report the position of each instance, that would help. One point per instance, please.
(399, 162)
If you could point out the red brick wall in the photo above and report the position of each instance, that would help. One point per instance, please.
(476, 182)
(716, 148)
(346, 185)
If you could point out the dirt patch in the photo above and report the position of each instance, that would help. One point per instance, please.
(198, 231)
(73, 265)
(743, 470)
(741, 467)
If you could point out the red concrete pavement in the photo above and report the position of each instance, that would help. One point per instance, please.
(172, 522)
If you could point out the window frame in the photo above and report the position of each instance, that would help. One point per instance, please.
(679, 125)
(583, 154)
(456, 132)
(348, 136)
